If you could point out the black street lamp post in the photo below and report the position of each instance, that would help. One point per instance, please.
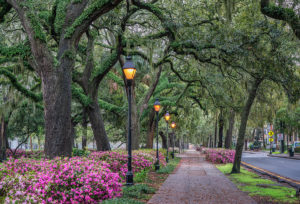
(129, 72)
(157, 108)
(167, 118)
(173, 125)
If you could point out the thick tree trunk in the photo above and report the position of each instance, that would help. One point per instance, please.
(263, 137)
(164, 139)
(243, 125)
(3, 139)
(228, 139)
(151, 129)
(221, 127)
(57, 110)
(216, 131)
(98, 128)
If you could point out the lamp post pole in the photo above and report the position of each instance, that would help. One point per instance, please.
(173, 155)
(167, 118)
(129, 174)
(157, 108)
(167, 158)
(173, 125)
(129, 73)
(157, 155)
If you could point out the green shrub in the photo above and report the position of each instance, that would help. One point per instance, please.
(80, 152)
(122, 201)
(137, 191)
(141, 176)
(170, 166)
(297, 150)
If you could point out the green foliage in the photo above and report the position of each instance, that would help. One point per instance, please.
(141, 176)
(37, 27)
(69, 53)
(297, 150)
(256, 186)
(18, 86)
(115, 78)
(80, 152)
(279, 12)
(80, 96)
(122, 201)
(4, 9)
(138, 191)
(84, 16)
(106, 64)
(170, 166)
(61, 7)
(15, 50)
(108, 106)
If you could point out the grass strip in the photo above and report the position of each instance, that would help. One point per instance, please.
(254, 185)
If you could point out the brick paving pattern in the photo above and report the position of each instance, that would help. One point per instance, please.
(197, 181)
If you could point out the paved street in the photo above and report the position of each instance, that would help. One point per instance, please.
(289, 168)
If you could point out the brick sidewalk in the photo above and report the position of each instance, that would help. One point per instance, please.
(197, 181)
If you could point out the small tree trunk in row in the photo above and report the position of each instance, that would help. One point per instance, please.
(216, 131)
(243, 125)
(150, 132)
(228, 139)
(221, 127)
(164, 139)
(135, 123)
(96, 121)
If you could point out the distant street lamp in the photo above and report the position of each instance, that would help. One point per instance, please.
(129, 72)
(157, 108)
(167, 118)
(173, 125)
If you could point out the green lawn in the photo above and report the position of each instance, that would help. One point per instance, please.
(257, 186)
(285, 152)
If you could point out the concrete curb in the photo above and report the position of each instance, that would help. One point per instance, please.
(285, 157)
(294, 183)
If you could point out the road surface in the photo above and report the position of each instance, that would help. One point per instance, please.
(289, 168)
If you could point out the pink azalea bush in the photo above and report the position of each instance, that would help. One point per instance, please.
(219, 156)
(74, 180)
(117, 161)
(70, 180)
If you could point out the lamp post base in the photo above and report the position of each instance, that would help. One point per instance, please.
(129, 178)
(156, 165)
(167, 159)
(172, 154)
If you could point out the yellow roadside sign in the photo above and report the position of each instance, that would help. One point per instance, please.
(271, 139)
(271, 133)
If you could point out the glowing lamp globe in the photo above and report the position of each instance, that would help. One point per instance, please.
(167, 116)
(129, 69)
(173, 125)
(156, 105)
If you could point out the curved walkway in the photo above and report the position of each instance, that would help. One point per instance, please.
(197, 181)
